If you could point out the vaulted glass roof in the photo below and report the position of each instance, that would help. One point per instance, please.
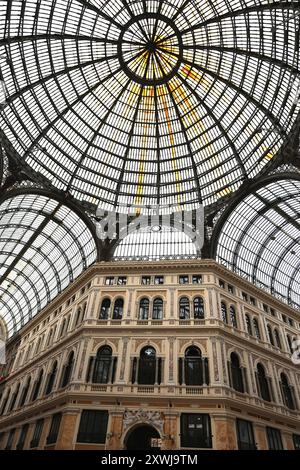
(160, 105)
(260, 239)
(138, 102)
(154, 243)
(44, 245)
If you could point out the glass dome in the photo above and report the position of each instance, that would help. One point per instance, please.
(260, 238)
(44, 245)
(152, 102)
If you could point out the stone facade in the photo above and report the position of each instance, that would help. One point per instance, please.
(47, 340)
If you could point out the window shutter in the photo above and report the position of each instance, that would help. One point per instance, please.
(270, 385)
(245, 380)
(257, 384)
(89, 369)
(180, 371)
(114, 367)
(229, 373)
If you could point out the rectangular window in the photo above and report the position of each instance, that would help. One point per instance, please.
(22, 437)
(272, 311)
(245, 436)
(274, 439)
(54, 429)
(10, 439)
(195, 431)
(158, 280)
(146, 280)
(197, 279)
(284, 318)
(245, 296)
(230, 289)
(221, 284)
(266, 308)
(122, 280)
(37, 433)
(183, 279)
(252, 301)
(93, 427)
(291, 322)
(296, 439)
(109, 281)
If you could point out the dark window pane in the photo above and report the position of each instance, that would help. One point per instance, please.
(195, 430)
(54, 429)
(93, 427)
(274, 439)
(245, 435)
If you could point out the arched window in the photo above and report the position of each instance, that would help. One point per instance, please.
(256, 328)
(236, 374)
(149, 367)
(158, 305)
(224, 315)
(14, 398)
(198, 308)
(263, 383)
(67, 370)
(37, 386)
(248, 325)
(193, 369)
(63, 327)
(233, 319)
(184, 308)
(83, 311)
(290, 343)
(24, 393)
(277, 338)
(4, 402)
(103, 372)
(118, 309)
(51, 379)
(287, 392)
(78, 317)
(50, 337)
(104, 310)
(270, 335)
(144, 309)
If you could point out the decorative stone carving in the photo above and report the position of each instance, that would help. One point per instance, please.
(97, 341)
(215, 361)
(188, 342)
(156, 342)
(124, 356)
(82, 362)
(171, 358)
(132, 417)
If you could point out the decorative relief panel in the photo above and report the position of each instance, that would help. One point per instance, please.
(98, 341)
(215, 362)
(156, 342)
(188, 342)
(132, 417)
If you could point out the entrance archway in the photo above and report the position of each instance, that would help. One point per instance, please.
(141, 438)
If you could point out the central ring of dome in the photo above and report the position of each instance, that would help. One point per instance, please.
(150, 49)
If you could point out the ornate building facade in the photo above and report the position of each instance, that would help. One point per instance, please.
(169, 354)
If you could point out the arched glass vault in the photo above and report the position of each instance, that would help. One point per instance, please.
(44, 245)
(160, 105)
(260, 238)
(123, 102)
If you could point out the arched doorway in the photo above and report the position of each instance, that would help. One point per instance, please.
(141, 438)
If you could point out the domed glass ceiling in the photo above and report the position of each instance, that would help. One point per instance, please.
(260, 239)
(148, 102)
(44, 245)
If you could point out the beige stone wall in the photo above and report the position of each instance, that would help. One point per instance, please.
(170, 337)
